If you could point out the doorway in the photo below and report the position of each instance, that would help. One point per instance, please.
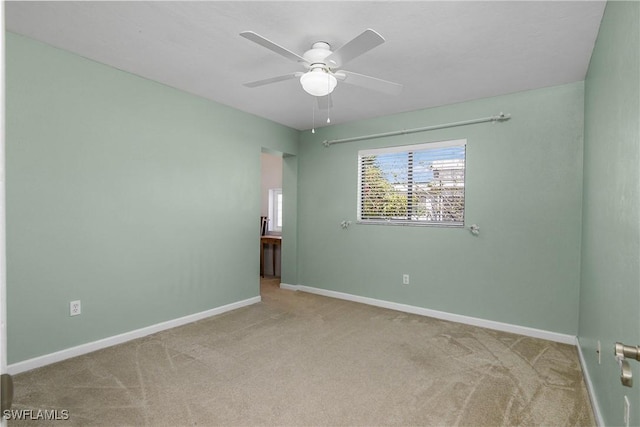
(272, 220)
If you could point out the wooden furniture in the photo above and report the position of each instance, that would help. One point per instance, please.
(263, 225)
(273, 241)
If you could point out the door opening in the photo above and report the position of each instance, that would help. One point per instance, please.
(272, 219)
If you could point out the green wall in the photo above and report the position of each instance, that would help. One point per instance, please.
(523, 188)
(610, 288)
(138, 199)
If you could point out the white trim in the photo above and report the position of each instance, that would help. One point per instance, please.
(289, 287)
(474, 321)
(414, 147)
(3, 205)
(587, 379)
(37, 362)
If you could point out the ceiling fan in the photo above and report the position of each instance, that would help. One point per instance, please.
(324, 66)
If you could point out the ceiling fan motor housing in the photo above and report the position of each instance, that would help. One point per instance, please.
(317, 54)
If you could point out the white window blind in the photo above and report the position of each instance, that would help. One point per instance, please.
(420, 184)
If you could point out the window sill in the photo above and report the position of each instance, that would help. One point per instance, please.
(412, 223)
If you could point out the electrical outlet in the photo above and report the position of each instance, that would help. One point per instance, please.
(627, 411)
(74, 308)
(599, 351)
(405, 279)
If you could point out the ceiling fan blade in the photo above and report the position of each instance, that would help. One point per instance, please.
(356, 47)
(257, 38)
(273, 80)
(324, 102)
(369, 82)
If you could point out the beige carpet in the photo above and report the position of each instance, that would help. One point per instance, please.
(302, 359)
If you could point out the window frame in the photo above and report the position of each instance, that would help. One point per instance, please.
(407, 149)
(274, 209)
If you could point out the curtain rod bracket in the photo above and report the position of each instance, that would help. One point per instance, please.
(501, 117)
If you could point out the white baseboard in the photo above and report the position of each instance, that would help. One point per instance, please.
(587, 379)
(489, 324)
(37, 362)
(289, 287)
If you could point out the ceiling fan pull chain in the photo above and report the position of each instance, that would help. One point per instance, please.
(313, 117)
(328, 100)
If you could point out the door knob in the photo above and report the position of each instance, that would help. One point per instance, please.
(626, 376)
(628, 351)
(624, 352)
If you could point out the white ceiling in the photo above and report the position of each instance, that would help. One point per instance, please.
(442, 52)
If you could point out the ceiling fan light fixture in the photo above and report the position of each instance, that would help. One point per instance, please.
(318, 82)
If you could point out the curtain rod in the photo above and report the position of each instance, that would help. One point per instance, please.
(499, 118)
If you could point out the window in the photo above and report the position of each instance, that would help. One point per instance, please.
(419, 184)
(275, 209)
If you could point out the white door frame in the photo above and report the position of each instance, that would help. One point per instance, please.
(3, 253)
